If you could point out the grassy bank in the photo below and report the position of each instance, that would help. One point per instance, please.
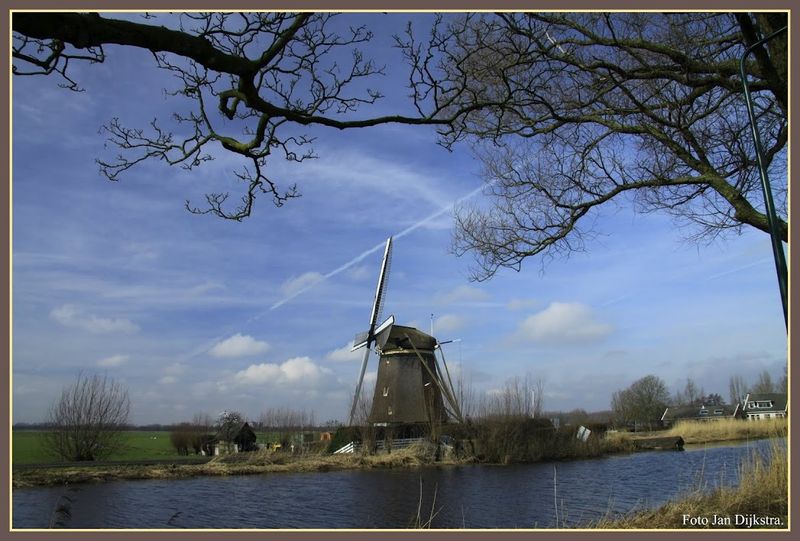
(727, 430)
(762, 493)
(516, 441)
(239, 464)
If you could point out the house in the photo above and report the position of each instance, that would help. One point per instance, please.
(703, 412)
(759, 406)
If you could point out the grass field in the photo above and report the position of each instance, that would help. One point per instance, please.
(29, 446)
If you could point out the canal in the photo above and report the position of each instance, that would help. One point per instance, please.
(541, 495)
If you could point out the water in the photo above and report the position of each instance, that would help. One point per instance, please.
(474, 496)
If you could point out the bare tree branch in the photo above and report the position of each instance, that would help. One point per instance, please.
(592, 109)
(252, 79)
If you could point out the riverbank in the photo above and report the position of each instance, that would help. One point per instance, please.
(241, 464)
(560, 448)
(761, 500)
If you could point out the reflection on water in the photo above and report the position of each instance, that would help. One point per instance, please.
(474, 496)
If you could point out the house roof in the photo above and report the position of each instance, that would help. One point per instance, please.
(779, 400)
(694, 412)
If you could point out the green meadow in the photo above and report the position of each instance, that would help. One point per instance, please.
(30, 447)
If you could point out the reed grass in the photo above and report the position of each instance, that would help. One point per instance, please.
(727, 430)
(762, 492)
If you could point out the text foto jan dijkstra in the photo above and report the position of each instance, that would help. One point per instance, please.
(732, 521)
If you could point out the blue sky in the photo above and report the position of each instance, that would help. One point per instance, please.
(118, 279)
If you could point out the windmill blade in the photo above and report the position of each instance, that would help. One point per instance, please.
(357, 394)
(383, 326)
(382, 336)
(451, 389)
(360, 340)
(366, 341)
(380, 291)
(446, 394)
(363, 338)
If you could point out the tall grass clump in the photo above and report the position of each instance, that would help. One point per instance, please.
(727, 430)
(506, 440)
(763, 491)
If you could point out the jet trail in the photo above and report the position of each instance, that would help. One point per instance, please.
(378, 246)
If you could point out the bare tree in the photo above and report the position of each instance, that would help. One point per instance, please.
(737, 389)
(688, 396)
(365, 429)
(783, 384)
(764, 384)
(253, 82)
(643, 403)
(597, 109)
(520, 397)
(181, 437)
(465, 394)
(87, 421)
(196, 435)
(286, 422)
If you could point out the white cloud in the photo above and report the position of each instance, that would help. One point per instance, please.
(296, 284)
(397, 181)
(344, 355)
(140, 251)
(297, 370)
(463, 294)
(204, 288)
(114, 360)
(168, 380)
(522, 304)
(360, 273)
(239, 345)
(175, 369)
(74, 317)
(564, 323)
(448, 323)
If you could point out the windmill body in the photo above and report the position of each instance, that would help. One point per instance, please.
(409, 387)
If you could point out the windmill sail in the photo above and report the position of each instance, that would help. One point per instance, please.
(366, 340)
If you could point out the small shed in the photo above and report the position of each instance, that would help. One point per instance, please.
(245, 439)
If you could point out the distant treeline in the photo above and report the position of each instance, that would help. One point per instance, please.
(161, 428)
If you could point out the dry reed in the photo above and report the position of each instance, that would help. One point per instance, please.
(760, 500)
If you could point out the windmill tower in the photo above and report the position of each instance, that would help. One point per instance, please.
(410, 387)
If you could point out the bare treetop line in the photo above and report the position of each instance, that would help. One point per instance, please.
(569, 112)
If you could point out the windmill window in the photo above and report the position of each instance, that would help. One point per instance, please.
(703, 412)
(386, 391)
(718, 412)
(389, 412)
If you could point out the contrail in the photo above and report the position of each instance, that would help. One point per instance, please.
(377, 247)
(334, 272)
(737, 269)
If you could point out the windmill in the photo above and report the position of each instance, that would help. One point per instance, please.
(409, 388)
(367, 338)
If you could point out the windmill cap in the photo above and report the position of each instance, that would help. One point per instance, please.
(408, 338)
